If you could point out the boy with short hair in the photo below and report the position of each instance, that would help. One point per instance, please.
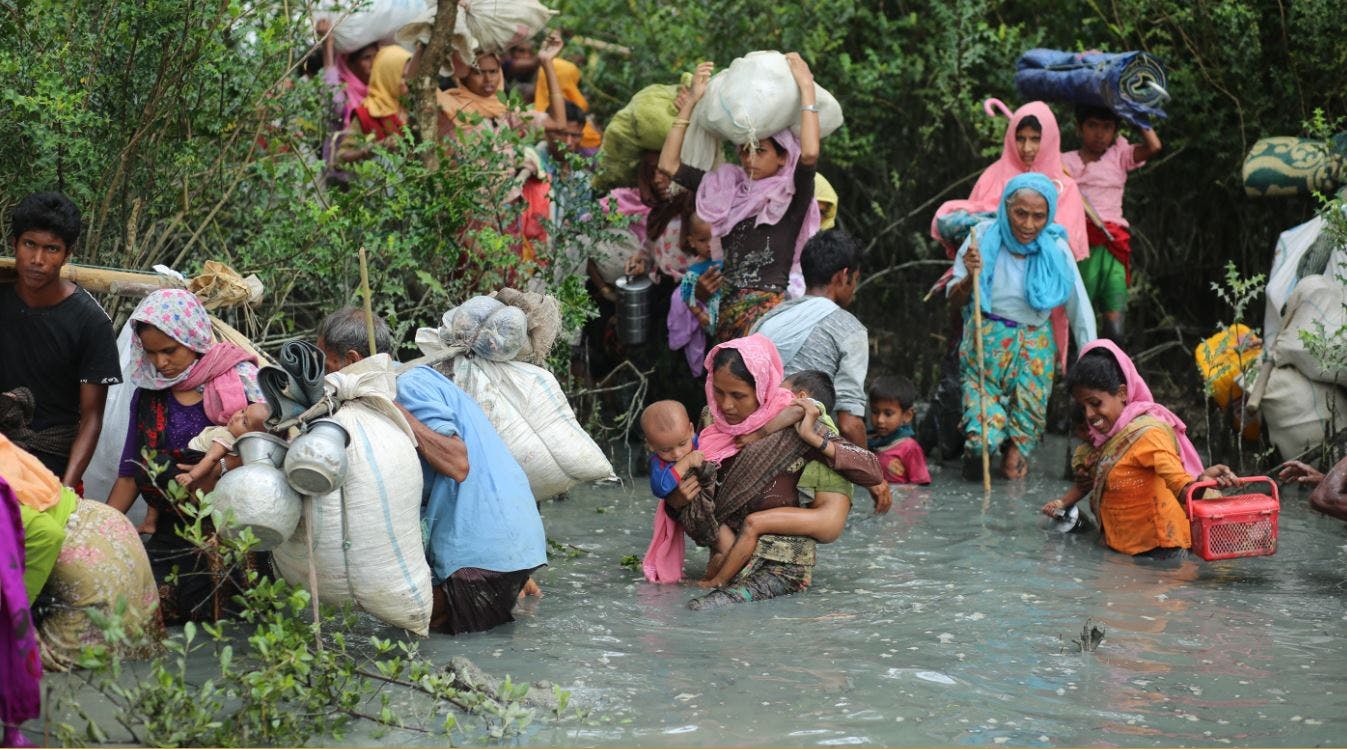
(1100, 169)
(893, 402)
(57, 341)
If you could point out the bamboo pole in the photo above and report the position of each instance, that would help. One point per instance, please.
(982, 392)
(369, 302)
(100, 280)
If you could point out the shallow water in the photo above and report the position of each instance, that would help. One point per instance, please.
(947, 621)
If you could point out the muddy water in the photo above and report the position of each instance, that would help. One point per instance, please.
(948, 621)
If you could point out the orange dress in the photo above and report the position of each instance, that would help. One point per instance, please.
(1137, 505)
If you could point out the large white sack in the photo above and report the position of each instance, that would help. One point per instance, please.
(359, 23)
(1316, 307)
(528, 409)
(367, 534)
(1298, 412)
(102, 471)
(754, 98)
(498, 25)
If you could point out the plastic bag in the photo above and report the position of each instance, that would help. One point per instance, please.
(374, 20)
(755, 98)
(642, 125)
(367, 535)
(528, 409)
(498, 25)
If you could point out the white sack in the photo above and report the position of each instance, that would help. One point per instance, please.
(367, 534)
(359, 23)
(528, 409)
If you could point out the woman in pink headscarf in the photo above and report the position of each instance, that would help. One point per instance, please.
(1140, 461)
(762, 209)
(744, 393)
(1033, 143)
(185, 382)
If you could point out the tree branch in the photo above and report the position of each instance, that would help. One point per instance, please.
(425, 77)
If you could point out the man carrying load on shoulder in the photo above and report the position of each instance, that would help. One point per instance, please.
(483, 533)
(58, 354)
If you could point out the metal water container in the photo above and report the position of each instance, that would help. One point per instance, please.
(633, 309)
(258, 493)
(316, 462)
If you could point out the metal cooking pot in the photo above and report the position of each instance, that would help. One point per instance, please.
(257, 493)
(316, 463)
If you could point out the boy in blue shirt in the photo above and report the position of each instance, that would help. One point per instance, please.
(672, 443)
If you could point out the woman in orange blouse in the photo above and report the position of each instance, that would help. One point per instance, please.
(1141, 461)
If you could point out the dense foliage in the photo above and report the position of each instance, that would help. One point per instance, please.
(912, 74)
(186, 132)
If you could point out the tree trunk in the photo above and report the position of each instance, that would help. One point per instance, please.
(425, 76)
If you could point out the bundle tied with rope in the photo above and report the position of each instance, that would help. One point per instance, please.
(379, 566)
(492, 347)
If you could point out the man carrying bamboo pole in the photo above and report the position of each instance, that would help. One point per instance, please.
(58, 354)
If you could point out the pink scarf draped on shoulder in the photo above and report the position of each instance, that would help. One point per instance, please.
(986, 195)
(1139, 403)
(627, 201)
(663, 562)
(764, 363)
(728, 196)
(179, 315)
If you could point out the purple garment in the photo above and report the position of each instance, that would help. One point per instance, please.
(184, 423)
(685, 332)
(20, 662)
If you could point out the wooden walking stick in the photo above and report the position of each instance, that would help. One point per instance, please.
(982, 393)
(369, 302)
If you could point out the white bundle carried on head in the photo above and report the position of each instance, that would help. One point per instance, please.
(756, 97)
(357, 24)
(498, 25)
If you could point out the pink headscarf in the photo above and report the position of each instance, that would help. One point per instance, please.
(663, 561)
(764, 363)
(986, 195)
(356, 89)
(727, 196)
(226, 372)
(1138, 403)
(627, 201)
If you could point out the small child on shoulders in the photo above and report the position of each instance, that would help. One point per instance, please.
(892, 409)
(216, 442)
(685, 334)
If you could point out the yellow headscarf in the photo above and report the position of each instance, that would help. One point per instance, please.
(826, 197)
(385, 81)
(568, 75)
(33, 483)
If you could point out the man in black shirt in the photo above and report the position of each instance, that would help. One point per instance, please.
(55, 341)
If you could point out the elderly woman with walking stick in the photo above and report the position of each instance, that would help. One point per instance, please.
(1024, 272)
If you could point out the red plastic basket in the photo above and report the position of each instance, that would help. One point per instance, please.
(1240, 525)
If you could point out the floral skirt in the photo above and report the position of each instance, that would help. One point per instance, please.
(741, 309)
(102, 566)
(1017, 379)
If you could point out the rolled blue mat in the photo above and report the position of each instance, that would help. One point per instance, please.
(1132, 84)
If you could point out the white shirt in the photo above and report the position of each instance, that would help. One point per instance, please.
(1008, 298)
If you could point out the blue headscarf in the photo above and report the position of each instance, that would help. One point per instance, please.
(1049, 279)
